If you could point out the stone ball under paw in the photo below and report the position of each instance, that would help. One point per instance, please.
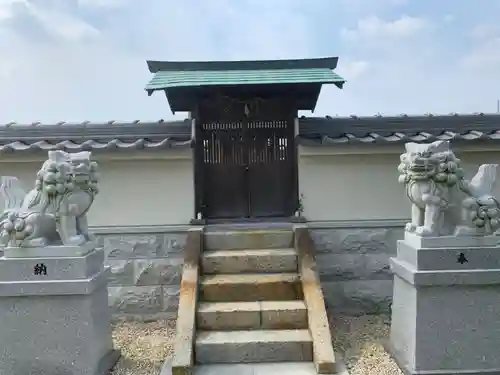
(8, 226)
(20, 235)
(19, 225)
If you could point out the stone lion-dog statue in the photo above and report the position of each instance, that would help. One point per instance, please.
(54, 212)
(443, 201)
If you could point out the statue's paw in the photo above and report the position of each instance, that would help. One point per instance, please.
(410, 227)
(76, 240)
(35, 242)
(424, 232)
(463, 230)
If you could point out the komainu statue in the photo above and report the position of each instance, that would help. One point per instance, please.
(54, 212)
(443, 201)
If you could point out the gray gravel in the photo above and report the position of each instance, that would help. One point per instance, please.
(359, 340)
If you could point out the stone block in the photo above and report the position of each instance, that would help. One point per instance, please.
(248, 239)
(145, 273)
(122, 272)
(51, 251)
(228, 315)
(136, 299)
(162, 271)
(173, 243)
(420, 242)
(126, 246)
(446, 320)
(358, 297)
(59, 323)
(356, 240)
(323, 353)
(283, 315)
(251, 315)
(250, 287)
(353, 266)
(254, 260)
(447, 258)
(56, 268)
(253, 346)
(170, 298)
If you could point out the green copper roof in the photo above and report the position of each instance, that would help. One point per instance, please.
(164, 80)
(185, 83)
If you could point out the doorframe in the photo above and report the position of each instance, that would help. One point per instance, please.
(294, 123)
(198, 171)
(198, 179)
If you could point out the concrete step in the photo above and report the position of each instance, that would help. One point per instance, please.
(260, 224)
(250, 287)
(253, 346)
(268, 368)
(221, 316)
(249, 260)
(248, 239)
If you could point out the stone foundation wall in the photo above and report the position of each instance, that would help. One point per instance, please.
(354, 267)
(146, 269)
(146, 272)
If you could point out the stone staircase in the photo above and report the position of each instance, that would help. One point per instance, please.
(254, 302)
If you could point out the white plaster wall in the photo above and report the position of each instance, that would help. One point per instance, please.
(362, 184)
(135, 190)
(338, 184)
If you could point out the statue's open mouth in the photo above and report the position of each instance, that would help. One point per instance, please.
(420, 168)
(81, 177)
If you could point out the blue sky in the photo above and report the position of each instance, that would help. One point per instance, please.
(74, 60)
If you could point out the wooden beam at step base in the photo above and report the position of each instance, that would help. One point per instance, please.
(323, 353)
(183, 357)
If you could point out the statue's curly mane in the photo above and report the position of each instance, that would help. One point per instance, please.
(429, 162)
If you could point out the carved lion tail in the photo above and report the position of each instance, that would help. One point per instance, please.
(486, 178)
(11, 192)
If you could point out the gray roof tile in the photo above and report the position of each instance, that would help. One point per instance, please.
(398, 129)
(135, 135)
(87, 136)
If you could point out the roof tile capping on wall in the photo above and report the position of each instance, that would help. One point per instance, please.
(380, 129)
(313, 131)
(90, 136)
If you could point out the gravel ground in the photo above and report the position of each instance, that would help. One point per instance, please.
(145, 346)
(360, 342)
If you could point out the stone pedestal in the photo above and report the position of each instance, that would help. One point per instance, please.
(446, 305)
(54, 314)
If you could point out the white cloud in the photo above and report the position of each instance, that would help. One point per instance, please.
(485, 55)
(101, 4)
(7, 8)
(370, 6)
(85, 59)
(353, 69)
(485, 30)
(96, 72)
(63, 25)
(375, 28)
